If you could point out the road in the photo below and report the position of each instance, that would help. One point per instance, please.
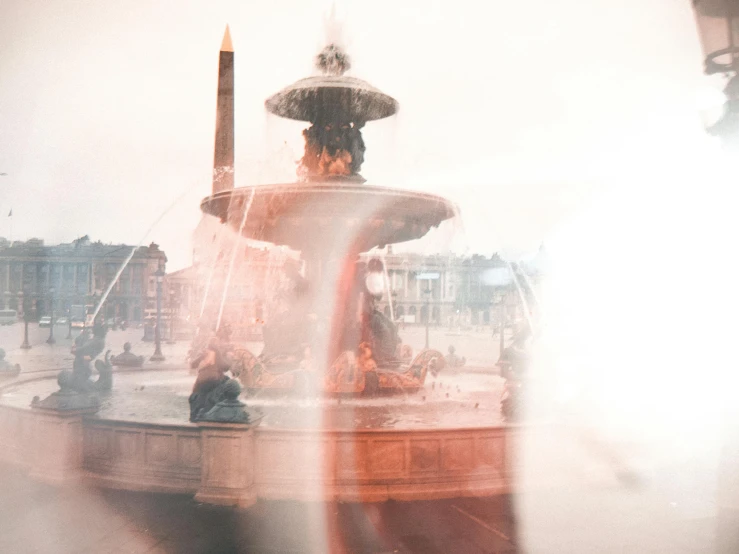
(37, 518)
(479, 347)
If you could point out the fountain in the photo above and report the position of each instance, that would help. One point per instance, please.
(336, 436)
(331, 217)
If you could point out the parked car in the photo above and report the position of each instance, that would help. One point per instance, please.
(8, 317)
(61, 321)
(44, 321)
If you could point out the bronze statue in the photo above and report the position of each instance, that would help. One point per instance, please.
(127, 358)
(6, 368)
(86, 348)
(452, 360)
(210, 385)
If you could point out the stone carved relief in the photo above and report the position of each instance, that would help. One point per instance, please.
(189, 451)
(351, 458)
(98, 442)
(127, 445)
(387, 456)
(425, 455)
(159, 448)
(220, 468)
(458, 454)
(490, 451)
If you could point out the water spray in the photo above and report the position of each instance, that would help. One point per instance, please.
(138, 245)
(233, 257)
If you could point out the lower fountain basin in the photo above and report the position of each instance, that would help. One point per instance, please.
(451, 400)
(444, 441)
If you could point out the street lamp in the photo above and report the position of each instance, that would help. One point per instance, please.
(427, 292)
(158, 356)
(69, 321)
(718, 27)
(428, 276)
(171, 316)
(26, 312)
(51, 339)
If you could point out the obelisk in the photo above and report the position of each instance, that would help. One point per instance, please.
(223, 159)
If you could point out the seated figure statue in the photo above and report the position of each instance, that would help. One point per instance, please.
(86, 348)
(6, 368)
(127, 358)
(382, 335)
(452, 360)
(210, 385)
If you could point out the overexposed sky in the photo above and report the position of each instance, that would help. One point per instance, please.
(519, 111)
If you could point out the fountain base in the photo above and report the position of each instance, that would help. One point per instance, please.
(427, 445)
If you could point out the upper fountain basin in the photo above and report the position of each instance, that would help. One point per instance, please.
(332, 98)
(307, 216)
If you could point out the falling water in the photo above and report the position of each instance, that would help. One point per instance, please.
(529, 284)
(233, 257)
(387, 287)
(213, 266)
(138, 245)
(525, 304)
(117, 275)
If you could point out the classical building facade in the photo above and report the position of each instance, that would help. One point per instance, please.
(463, 291)
(78, 273)
(244, 292)
(447, 289)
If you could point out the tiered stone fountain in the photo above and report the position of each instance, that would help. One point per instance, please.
(315, 447)
(331, 217)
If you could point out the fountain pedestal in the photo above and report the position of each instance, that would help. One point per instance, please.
(56, 454)
(229, 461)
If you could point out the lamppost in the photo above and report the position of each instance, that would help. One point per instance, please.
(26, 313)
(69, 321)
(171, 316)
(503, 316)
(428, 310)
(158, 356)
(428, 276)
(718, 28)
(51, 339)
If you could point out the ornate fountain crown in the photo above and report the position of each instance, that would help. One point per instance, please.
(333, 60)
(332, 96)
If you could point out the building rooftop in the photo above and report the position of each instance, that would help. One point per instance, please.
(80, 248)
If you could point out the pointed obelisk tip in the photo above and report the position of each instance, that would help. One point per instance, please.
(226, 45)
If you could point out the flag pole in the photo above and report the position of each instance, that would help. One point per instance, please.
(10, 215)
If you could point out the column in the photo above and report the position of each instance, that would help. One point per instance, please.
(56, 451)
(405, 284)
